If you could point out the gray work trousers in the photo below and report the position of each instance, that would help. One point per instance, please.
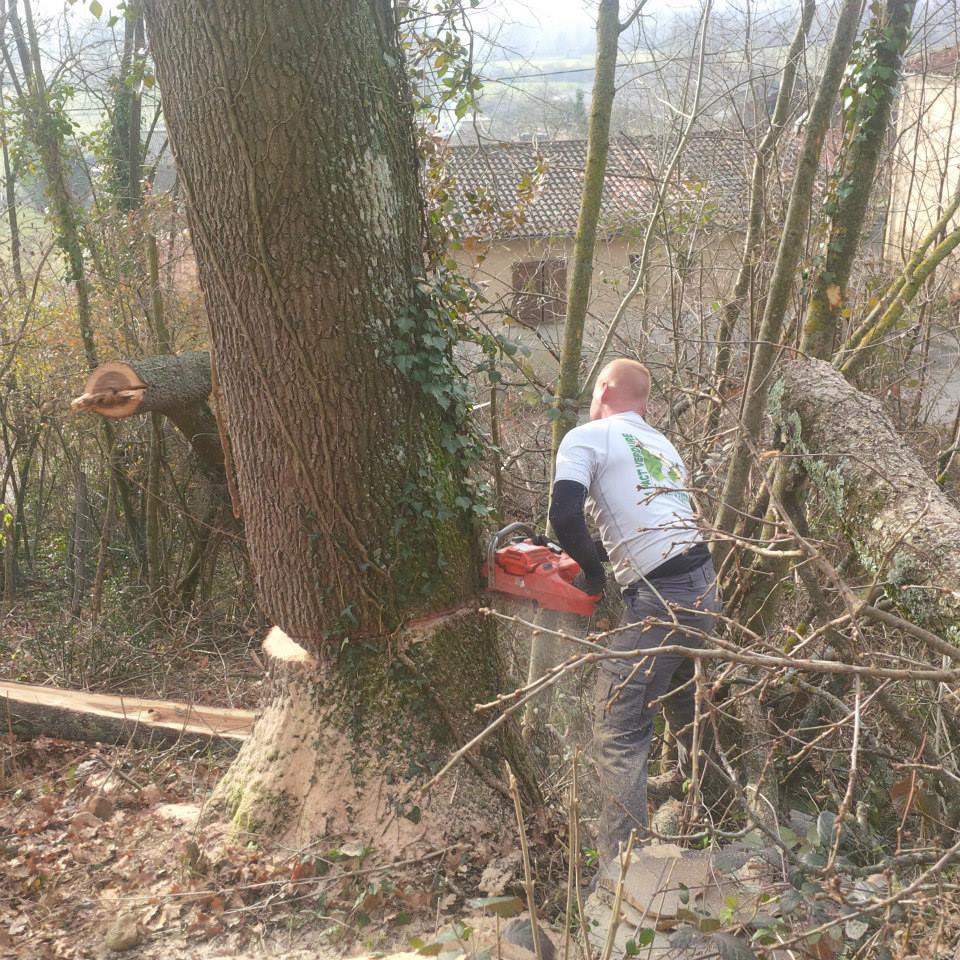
(623, 723)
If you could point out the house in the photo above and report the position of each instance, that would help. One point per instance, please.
(517, 205)
(925, 168)
(924, 175)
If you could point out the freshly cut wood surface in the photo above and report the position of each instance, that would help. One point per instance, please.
(112, 390)
(76, 715)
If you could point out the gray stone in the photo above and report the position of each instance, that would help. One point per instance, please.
(123, 934)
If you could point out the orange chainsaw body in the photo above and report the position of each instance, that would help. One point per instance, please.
(543, 574)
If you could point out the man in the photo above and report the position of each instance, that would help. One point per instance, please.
(631, 479)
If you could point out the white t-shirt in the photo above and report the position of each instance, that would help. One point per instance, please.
(635, 480)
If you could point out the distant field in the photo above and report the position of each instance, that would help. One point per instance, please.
(499, 68)
(531, 69)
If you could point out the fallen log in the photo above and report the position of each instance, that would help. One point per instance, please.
(31, 711)
(875, 489)
(177, 386)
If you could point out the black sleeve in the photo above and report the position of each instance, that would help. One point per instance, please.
(570, 527)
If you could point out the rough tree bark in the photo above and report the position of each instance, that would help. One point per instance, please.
(893, 514)
(293, 141)
(877, 82)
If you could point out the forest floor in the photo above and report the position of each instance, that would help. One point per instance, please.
(214, 659)
(105, 846)
(101, 848)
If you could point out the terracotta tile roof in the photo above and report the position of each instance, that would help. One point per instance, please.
(941, 63)
(539, 184)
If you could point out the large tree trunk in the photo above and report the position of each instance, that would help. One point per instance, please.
(878, 493)
(293, 140)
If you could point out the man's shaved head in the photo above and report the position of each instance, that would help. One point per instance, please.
(623, 385)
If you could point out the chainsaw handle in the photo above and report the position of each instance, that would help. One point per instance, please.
(497, 538)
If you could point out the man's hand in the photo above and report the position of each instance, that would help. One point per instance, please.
(591, 587)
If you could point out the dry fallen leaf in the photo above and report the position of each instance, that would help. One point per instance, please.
(100, 807)
(151, 794)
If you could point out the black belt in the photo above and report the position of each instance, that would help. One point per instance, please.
(688, 561)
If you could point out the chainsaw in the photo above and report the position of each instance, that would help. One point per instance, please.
(522, 565)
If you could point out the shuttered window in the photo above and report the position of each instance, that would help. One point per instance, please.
(539, 290)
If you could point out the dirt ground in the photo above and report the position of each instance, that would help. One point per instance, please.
(102, 849)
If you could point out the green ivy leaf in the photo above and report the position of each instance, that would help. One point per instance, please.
(788, 836)
(731, 947)
(425, 949)
(503, 907)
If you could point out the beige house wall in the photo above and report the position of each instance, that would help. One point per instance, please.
(925, 173)
(926, 161)
(672, 318)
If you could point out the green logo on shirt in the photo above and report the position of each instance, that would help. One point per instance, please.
(654, 471)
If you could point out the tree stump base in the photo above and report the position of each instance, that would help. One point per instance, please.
(344, 749)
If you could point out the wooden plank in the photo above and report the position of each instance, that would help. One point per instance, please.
(98, 717)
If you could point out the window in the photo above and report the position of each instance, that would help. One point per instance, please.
(540, 290)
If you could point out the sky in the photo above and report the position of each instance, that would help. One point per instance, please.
(521, 26)
(568, 13)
